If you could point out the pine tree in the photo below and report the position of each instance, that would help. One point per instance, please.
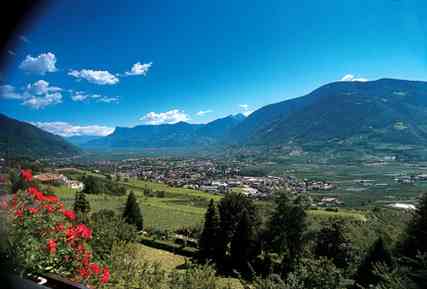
(241, 245)
(81, 207)
(416, 232)
(208, 242)
(286, 228)
(132, 213)
(378, 254)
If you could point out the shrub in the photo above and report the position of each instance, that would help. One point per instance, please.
(45, 237)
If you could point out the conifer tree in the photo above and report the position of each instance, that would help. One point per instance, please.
(377, 254)
(416, 232)
(81, 206)
(208, 241)
(132, 213)
(241, 245)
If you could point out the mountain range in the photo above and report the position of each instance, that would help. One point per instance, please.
(19, 138)
(376, 114)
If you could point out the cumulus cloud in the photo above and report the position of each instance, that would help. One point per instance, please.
(172, 116)
(40, 64)
(66, 129)
(41, 87)
(101, 77)
(139, 69)
(203, 112)
(351, 77)
(37, 95)
(9, 92)
(246, 111)
(43, 101)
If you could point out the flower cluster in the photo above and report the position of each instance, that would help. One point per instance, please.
(39, 223)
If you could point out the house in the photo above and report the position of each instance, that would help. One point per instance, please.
(76, 185)
(49, 178)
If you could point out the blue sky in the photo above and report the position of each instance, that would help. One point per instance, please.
(70, 71)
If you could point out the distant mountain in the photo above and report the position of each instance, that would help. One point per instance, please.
(19, 138)
(81, 139)
(175, 135)
(385, 115)
(383, 111)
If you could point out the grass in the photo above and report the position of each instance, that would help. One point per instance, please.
(347, 215)
(169, 261)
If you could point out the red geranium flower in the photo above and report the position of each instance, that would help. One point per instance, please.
(84, 273)
(49, 208)
(105, 275)
(19, 213)
(83, 231)
(27, 175)
(59, 227)
(36, 193)
(94, 268)
(86, 258)
(69, 215)
(33, 210)
(51, 246)
(51, 198)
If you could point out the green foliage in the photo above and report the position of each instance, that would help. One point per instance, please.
(132, 213)
(208, 242)
(378, 253)
(108, 228)
(242, 246)
(81, 207)
(331, 242)
(231, 208)
(97, 185)
(416, 233)
(194, 277)
(129, 270)
(286, 230)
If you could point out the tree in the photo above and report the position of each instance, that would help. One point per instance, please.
(241, 246)
(286, 230)
(416, 232)
(230, 210)
(377, 254)
(81, 206)
(132, 213)
(107, 228)
(209, 238)
(93, 185)
(331, 242)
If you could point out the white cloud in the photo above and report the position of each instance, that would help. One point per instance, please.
(351, 77)
(37, 95)
(43, 101)
(82, 96)
(139, 69)
(246, 111)
(9, 92)
(101, 77)
(41, 87)
(11, 52)
(203, 112)
(66, 129)
(41, 64)
(108, 99)
(172, 116)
